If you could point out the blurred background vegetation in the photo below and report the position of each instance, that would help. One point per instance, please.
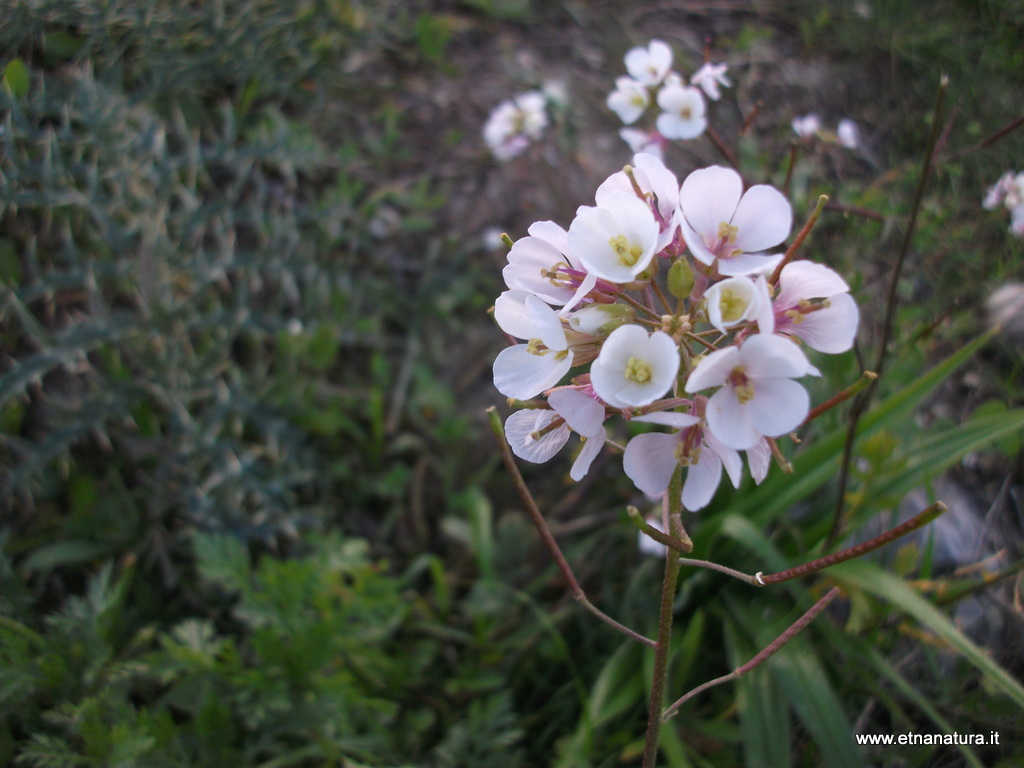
(251, 512)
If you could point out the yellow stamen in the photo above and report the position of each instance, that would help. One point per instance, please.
(638, 371)
(628, 253)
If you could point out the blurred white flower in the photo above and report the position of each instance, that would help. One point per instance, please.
(683, 117)
(807, 126)
(628, 100)
(709, 77)
(514, 123)
(848, 133)
(649, 65)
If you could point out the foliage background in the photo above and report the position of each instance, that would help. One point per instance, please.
(251, 512)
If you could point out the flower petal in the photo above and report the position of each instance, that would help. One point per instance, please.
(668, 419)
(830, 330)
(583, 414)
(591, 448)
(713, 370)
(727, 419)
(709, 197)
(702, 481)
(521, 375)
(777, 407)
(650, 460)
(763, 219)
(800, 280)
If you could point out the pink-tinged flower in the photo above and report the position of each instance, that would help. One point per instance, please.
(757, 396)
(725, 226)
(536, 435)
(683, 116)
(525, 370)
(542, 264)
(633, 368)
(807, 126)
(658, 184)
(651, 458)
(709, 77)
(514, 123)
(649, 65)
(643, 141)
(628, 100)
(617, 239)
(848, 133)
(997, 193)
(814, 304)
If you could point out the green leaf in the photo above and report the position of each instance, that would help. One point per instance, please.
(16, 78)
(871, 578)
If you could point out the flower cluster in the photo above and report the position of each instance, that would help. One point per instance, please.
(514, 123)
(1008, 192)
(651, 80)
(667, 306)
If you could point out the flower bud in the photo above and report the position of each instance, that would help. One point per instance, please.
(680, 279)
(601, 319)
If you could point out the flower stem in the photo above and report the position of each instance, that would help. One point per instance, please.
(545, 533)
(865, 378)
(917, 521)
(679, 545)
(801, 236)
(673, 505)
(770, 650)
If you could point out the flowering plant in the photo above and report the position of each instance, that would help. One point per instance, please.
(676, 306)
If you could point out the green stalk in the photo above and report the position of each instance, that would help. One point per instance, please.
(674, 504)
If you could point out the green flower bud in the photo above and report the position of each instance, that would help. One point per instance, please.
(680, 279)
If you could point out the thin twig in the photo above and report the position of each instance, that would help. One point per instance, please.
(721, 569)
(801, 236)
(917, 521)
(722, 147)
(865, 378)
(770, 650)
(545, 534)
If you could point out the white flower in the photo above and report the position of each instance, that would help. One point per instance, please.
(543, 265)
(996, 194)
(709, 77)
(1015, 192)
(525, 370)
(807, 126)
(617, 239)
(514, 123)
(814, 303)
(536, 435)
(651, 458)
(633, 368)
(628, 100)
(848, 134)
(658, 184)
(642, 141)
(721, 222)
(732, 301)
(649, 65)
(756, 395)
(683, 117)
(533, 434)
